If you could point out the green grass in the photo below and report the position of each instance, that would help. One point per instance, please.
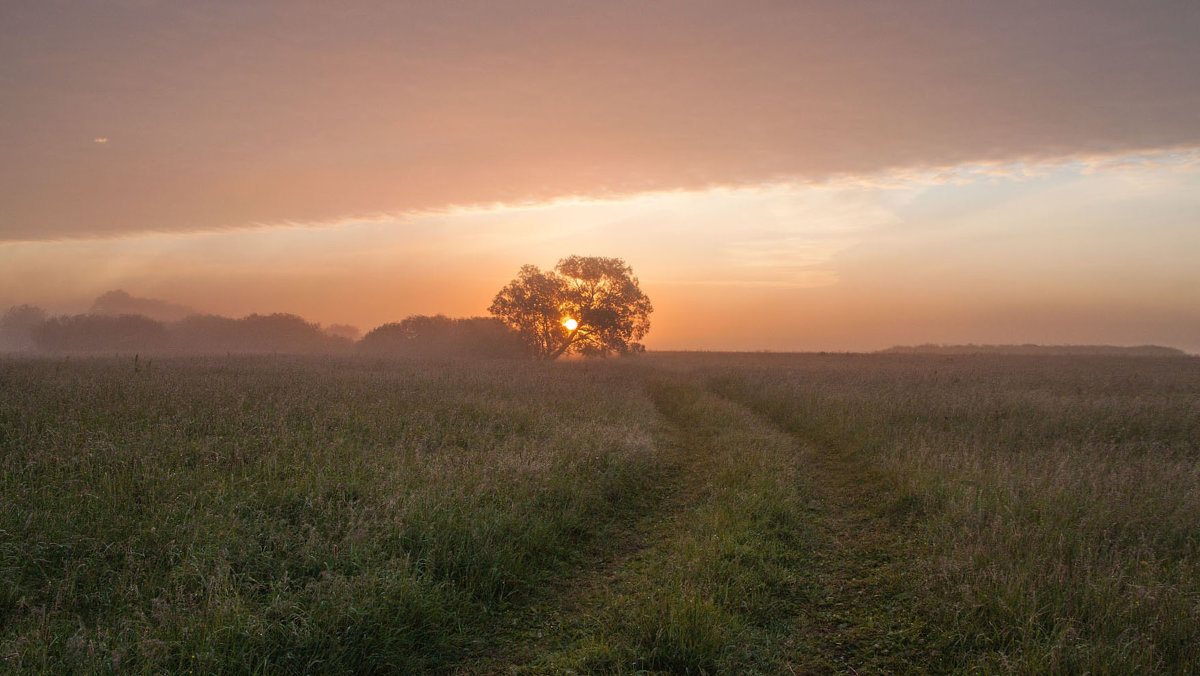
(272, 515)
(715, 587)
(1051, 506)
(674, 514)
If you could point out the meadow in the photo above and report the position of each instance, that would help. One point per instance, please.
(672, 513)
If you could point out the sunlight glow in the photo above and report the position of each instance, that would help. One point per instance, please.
(571, 324)
(845, 258)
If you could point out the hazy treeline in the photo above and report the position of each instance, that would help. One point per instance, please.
(26, 328)
(1045, 350)
(441, 336)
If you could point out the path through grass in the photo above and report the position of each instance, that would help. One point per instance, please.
(712, 583)
(676, 514)
(773, 555)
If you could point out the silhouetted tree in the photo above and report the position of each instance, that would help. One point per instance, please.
(102, 333)
(442, 337)
(18, 325)
(26, 327)
(587, 304)
(211, 334)
(254, 334)
(282, 332)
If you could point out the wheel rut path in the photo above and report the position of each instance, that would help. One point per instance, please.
(851, 604)
(864, 609)
(546, 621)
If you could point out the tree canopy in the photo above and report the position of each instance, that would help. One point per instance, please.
(585, 305)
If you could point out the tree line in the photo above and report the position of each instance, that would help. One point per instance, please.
(585, 305)
(27, 328)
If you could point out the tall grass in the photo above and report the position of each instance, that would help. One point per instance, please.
(1054, 503)
(270, 514)
(718, 586)
(302, 515)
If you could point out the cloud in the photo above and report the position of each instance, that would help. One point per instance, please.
(313, 113)
(1182, 159)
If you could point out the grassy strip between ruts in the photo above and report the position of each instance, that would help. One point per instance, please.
(716, 587)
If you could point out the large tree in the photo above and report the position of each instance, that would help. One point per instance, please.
(586, 305)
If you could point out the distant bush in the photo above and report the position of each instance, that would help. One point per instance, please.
(208, 333)
(17, 327)
(27, 327)
(289, 333)
(101, 333)
(254, 334)
(197, 334)
(441, 336)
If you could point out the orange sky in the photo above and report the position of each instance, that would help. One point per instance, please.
(780, 176)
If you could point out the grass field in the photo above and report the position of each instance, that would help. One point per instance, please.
(678, 513)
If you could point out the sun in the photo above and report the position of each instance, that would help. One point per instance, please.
(571, 324)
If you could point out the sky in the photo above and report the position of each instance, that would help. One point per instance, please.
(780, 175)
